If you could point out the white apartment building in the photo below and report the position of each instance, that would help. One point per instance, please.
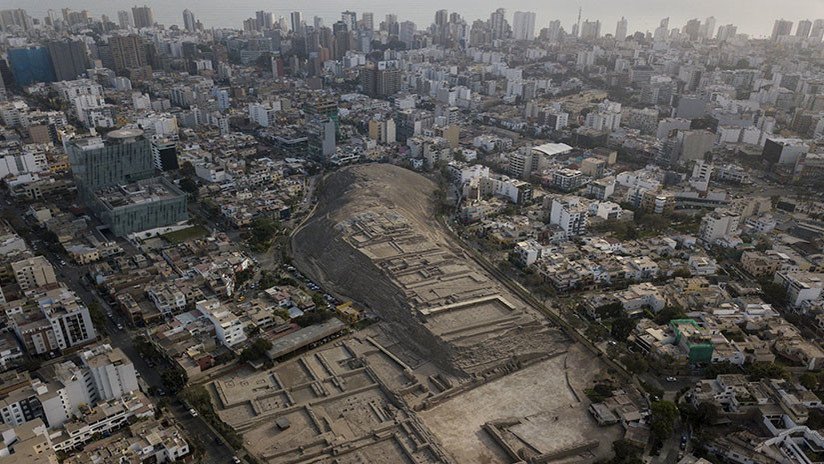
(228, 327)
(110, 371)
(33, 273)
(802, 287)
(717, 225)
(570, 214)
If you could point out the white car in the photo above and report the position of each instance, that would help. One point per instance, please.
(671, 379)
(193, 412)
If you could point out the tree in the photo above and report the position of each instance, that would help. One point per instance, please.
(251, 330)
(174, 380)
(262, 233)
(663, 418)
(808, 380)
(318, 300)
(595, 332)
(763, 245)
(98, 318)
(256, 350)
(669, 313)
(243, 276)
(599, 392)
(815, 419)
(774, 293)
(682, 272)
(622, 327)
(188, 185)
(715, 369)
(187, 169)
(625, 453)
(706, 413)
(610, 310)
(763, 370)
(635, 363)
(313, 317)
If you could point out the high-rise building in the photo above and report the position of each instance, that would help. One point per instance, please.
(297, 22)
(109, 371)
(662, 31)
(708, 28)
(781, 28)
(164, 152)
(113, 177)
(441, 27)
(726, 32)
(264, 20)
(128, 52)
(803, 29)
(124, 19)
(692, 29)
(68, 317)
(9, 19)
(498, 24)
(621, 29)
(31, 64)
(69, 58)
(124, 156)
(341, 36)
(441, 17)
(391, 25)
(569, 214)
(591, 30)
(406, 33)
(321, 137)
(351, 20)
(143, 16)
(368, 21)
(189, 22)
(817, 32)
(523, 25)
(553, 32)
(75, 17)
(380, 80)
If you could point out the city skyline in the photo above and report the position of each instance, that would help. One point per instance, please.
(482, 232)
(642, 15)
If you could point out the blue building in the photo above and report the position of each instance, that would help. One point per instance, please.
(31, 64)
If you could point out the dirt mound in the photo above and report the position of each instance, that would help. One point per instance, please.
(373, 238)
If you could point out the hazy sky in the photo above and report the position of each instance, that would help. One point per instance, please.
(754, 17)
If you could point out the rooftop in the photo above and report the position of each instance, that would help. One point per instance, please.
(553, 149)
(138, 193)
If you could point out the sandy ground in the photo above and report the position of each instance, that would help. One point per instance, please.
(540, 390)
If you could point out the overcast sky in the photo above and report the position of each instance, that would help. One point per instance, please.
(754, 17)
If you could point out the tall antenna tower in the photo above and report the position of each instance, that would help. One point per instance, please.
(578, 23)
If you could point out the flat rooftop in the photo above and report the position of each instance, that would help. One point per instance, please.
(137, 193)
(303, 337)
(553, 149)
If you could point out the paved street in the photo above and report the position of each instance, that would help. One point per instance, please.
(73, 276)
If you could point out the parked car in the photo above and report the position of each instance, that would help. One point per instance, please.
(193, 412)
